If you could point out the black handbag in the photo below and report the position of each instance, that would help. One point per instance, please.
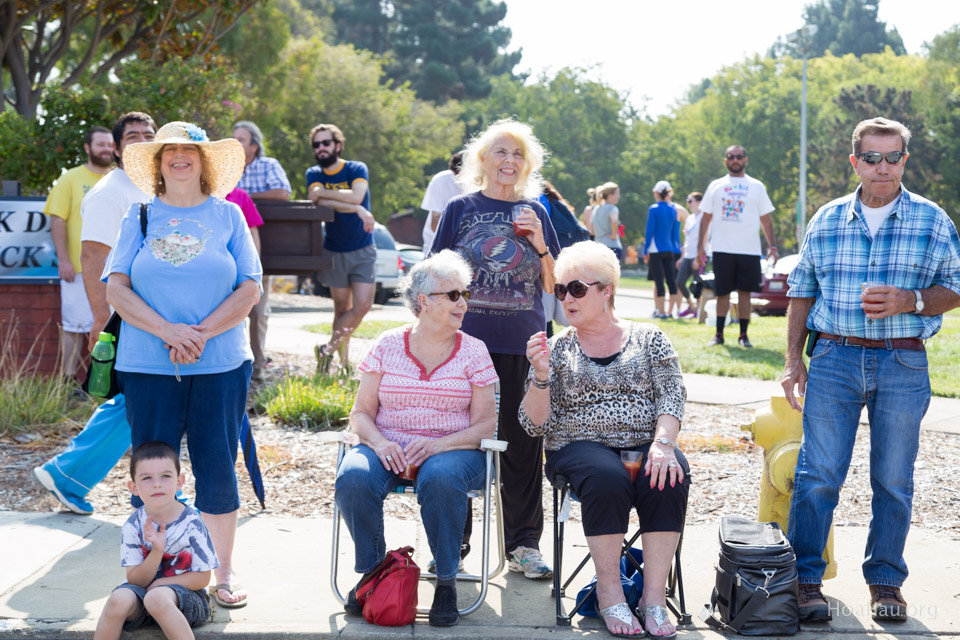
(756, 590)
(113, 328)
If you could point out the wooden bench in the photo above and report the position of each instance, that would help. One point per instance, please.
(291, 238)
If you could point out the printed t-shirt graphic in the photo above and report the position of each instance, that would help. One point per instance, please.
(346, 232)
(733, 202)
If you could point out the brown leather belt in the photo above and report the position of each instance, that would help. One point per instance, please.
(912, 344)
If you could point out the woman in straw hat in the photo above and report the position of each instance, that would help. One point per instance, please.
(183, 290)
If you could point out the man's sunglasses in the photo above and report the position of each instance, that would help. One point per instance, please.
(874, 157)
(735, 156)
(453, 295)
(323, 143)
(575, 288)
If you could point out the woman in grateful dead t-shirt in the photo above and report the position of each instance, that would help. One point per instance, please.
(507, 238)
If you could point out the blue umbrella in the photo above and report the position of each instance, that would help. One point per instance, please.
(250, 459)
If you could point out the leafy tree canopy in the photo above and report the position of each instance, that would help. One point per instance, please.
(445, 49)
(843, 26)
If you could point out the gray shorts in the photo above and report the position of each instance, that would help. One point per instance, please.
(194, 605)
(351, 266)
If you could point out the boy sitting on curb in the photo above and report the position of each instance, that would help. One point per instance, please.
(167, 552)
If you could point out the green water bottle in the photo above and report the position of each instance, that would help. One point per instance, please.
(103, 355)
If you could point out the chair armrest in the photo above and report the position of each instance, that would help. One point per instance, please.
(339, 437)
(488, 444)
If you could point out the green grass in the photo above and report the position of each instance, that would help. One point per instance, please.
(368, 329)
(765, 361)
(315, 402)
(635, 282)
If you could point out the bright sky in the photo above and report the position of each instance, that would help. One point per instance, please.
(643, 46)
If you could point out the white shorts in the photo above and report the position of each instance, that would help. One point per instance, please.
(74, 306)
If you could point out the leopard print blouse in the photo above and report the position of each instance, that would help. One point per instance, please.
(616, 405)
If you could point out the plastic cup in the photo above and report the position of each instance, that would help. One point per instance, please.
(410, 472)
(866, 285)
(517, 210)
(631, 460)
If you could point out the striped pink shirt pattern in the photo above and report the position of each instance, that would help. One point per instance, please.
(414, 404)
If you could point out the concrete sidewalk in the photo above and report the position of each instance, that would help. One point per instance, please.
(58, 570)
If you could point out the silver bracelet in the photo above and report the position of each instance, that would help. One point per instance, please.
(541, 384)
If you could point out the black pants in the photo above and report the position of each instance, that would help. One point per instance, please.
(663, 265)
(521, 465)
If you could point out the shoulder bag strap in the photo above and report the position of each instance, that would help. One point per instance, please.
(143, 219)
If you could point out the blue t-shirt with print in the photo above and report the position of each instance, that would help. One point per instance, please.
(346, 232)
(505, 306)
(190, 261)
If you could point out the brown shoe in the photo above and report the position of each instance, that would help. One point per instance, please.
(813, 606)
(887, 603)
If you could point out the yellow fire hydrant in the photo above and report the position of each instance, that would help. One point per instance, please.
(778, 429)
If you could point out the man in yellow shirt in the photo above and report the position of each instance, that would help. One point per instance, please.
(63, 207)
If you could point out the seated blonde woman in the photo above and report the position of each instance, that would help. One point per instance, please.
(597, 388)
(426, 398)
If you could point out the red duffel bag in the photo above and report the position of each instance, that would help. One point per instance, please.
(389, 595)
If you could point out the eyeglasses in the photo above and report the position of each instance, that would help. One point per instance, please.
(453, 295)
(735, 156)
(874, 157)
(323, 143)
(576, 288)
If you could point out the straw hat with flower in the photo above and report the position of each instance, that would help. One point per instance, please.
(223, 160)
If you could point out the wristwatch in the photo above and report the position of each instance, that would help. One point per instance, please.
(666, 442)
(918, 308)
(544, 254)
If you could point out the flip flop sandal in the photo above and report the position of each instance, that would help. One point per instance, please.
(215, 594)
(659, 615)
(622, 613)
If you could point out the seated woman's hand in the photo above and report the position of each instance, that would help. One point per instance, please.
(661, 465)
(184, 338)
(538, 353)
(391, 456)
(422, 448)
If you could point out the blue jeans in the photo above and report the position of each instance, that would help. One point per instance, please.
(207, 408)
(895, 387)
(194, 605)
(94, 451)
(442, 485)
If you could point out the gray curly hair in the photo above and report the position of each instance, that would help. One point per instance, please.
(425, 276)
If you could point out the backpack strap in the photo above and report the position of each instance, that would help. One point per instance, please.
(143, 219)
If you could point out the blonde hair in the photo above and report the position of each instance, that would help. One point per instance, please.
(606, 190)
(592, 194)
(600, 261)
(530, 182)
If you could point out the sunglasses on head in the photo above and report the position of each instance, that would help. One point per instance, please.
(735, 156)
(575, 288)
(874, 157)
(453, 295)
(323, 143)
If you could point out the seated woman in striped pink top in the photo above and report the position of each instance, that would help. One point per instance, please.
(426, 400)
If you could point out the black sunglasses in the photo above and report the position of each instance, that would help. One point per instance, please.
(874, 157)
(576, 288)
(735, 156)
(453, 295)
(323, 143)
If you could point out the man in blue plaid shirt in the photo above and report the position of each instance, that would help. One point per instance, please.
(877, 269)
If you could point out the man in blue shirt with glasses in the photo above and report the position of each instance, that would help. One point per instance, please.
(877, 270)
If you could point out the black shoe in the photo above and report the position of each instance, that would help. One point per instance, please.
(813, 606)
(744, 341)
(444, 611)
(351, 606)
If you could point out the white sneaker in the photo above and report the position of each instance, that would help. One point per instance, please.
(530, 563)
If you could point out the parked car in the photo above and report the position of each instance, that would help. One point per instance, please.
(775, 287)
(409, 256)
(388, 267)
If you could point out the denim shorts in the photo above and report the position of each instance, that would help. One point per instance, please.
(194, 605)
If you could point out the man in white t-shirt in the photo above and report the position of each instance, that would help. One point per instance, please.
(441, 189)
(106, 437)
(739, 207)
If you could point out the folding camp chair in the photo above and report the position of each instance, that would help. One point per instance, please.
(489, 493)
(675, 598)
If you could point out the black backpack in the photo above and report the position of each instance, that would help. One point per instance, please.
(569, 231)
(756, 592)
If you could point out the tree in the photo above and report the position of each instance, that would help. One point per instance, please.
(445, 49)
(39, 48)
(843, 26)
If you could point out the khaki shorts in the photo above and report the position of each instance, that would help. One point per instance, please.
(351, 266)
(76, 315)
